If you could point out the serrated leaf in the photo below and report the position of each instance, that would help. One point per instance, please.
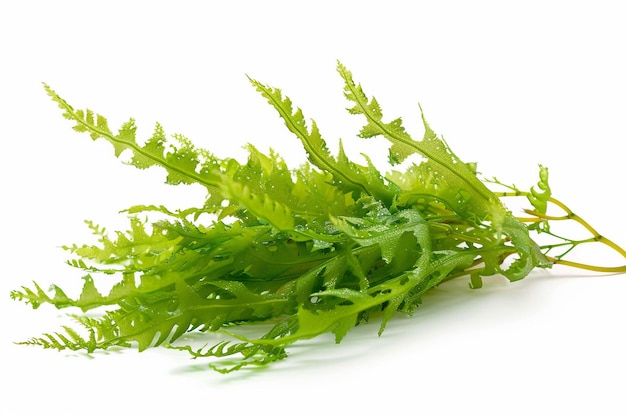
(307, 251)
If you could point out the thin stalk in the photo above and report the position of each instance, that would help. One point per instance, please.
(570, 215)
(595, 268)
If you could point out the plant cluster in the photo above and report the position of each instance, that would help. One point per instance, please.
(310, 250)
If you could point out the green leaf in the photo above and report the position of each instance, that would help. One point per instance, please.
(276, 255)
(350, 176)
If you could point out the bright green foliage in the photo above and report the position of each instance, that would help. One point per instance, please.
(310, 250)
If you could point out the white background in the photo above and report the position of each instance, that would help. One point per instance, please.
(509, 84)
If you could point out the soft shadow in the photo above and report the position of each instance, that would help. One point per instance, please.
(363, 341)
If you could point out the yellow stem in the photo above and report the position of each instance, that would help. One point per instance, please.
(569, 215)
(606, 269)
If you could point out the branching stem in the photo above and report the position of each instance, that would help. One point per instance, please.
(570, 215)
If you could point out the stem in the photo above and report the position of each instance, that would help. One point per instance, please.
(606, 269)
(570, 215)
